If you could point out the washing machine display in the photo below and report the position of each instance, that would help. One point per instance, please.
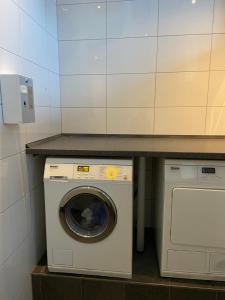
(88, 214)
(83, 169)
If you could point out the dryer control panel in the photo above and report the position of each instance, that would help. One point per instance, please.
(62, 172)
(196, 173)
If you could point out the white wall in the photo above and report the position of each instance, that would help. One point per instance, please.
(28, 46)
(142, 66)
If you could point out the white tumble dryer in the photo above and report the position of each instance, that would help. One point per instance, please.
(89, 213)
(190, 219)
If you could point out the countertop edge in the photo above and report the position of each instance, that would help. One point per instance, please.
(39, 148)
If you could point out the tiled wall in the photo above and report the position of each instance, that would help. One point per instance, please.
(142, 66)
(28, 46)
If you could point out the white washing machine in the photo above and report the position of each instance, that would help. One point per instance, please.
(190, 219)
(89, 216)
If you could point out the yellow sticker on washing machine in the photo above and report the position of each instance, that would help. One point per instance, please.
(111, 172)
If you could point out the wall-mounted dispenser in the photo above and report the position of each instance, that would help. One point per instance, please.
(17, 99)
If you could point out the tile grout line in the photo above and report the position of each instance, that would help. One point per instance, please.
(94, 2)
(209, 74)
(28, 60)
(132, 108)
(13, 154)
(141, 73)
(106, 76)
(156, 68)
(138, 37)
(59, 68)
(13, 203)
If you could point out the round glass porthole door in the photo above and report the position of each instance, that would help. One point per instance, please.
(87, 214)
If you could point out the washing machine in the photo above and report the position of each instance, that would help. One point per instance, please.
(89, 216)
(190, 219)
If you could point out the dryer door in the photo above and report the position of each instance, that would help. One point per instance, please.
(87, 214)
(198, 217)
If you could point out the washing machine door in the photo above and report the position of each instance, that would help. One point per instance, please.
(87, 214)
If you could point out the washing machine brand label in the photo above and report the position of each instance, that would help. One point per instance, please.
(58, 172)
(174, 168)
(54, 166)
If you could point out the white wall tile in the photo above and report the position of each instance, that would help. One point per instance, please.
(132, 18)
(33, 40)
(215, 121)
(9, 34)
(218, 52)
(42, 126)
(34, 8)
(55, 117)
(184, 53)
(182, 89)
(24, 176)
(216, 88)
(130, 120)
(9, 63)
(17, 270)
(219, 22)
(3, 282)
(183, 62)
(180, 120)
(51, 17)
(132, 55)
(131, 90)
(84, 120)
(82, 21)
(83, 91)
(82, 57)
(14, 227)
(52, 55)
(12, 145)
(28, 36)
(11, 181)
(53, 89)
(184, 17)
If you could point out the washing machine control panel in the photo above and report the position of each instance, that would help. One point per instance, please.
(103, 172)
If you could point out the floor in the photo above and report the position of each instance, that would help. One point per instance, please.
(146, 284)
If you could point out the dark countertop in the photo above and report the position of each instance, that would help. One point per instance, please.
(198, 147)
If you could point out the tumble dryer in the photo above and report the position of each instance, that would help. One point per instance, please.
(190, 219)
(89, 213)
